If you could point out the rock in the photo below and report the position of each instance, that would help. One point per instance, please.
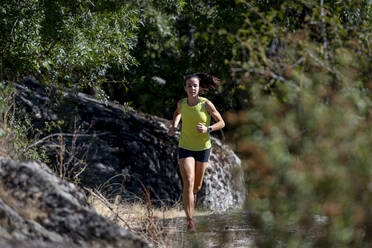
(11, 243)
(120, 150)
(38, 209)
(223, 179)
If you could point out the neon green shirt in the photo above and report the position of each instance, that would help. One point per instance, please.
(191, 116)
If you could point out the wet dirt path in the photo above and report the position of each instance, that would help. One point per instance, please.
(214, 230)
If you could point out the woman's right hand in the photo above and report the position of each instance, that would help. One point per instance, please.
(171, 131)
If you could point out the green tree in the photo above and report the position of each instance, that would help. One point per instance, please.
(306, 134)
(176, 40)
(67, 43)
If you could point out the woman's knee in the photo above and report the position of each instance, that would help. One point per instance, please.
(189, 182)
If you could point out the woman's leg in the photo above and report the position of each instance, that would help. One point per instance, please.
(199, 175)
(187, 169)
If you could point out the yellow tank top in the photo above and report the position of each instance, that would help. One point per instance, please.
(191, 116)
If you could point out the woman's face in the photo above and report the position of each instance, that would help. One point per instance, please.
(192, 87)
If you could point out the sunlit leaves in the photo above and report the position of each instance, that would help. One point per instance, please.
(66, 42)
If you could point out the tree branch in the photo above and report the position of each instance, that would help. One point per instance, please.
(324, 31)
(261, 71)
(61, 134)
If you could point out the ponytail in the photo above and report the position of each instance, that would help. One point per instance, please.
(206, 81)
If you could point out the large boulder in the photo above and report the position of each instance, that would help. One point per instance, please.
(119, 150)
(38, 209)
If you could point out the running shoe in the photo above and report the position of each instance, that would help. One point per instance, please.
(191, 226)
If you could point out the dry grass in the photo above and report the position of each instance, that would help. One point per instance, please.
(162, 227)
(136, 211)
(5, 136)
(3, 152)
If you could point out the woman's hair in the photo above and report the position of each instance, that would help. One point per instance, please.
(206, 81)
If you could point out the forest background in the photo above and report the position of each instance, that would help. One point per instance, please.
(296, 91)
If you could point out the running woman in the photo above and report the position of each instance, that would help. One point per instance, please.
(194, 144)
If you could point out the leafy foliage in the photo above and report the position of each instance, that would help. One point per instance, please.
(177, 41)
(305, 138)
(67, 43)
(14, 129)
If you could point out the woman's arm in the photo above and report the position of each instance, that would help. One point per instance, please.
(176, 119)
(220, 123)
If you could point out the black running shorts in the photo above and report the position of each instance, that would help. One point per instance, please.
(200, 156)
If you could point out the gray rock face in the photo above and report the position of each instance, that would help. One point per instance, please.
(223, 179)
(123, 150)
(41, 210)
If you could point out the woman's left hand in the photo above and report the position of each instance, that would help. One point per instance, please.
(201, 128)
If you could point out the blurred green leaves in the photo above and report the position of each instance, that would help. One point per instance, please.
(305, 138)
